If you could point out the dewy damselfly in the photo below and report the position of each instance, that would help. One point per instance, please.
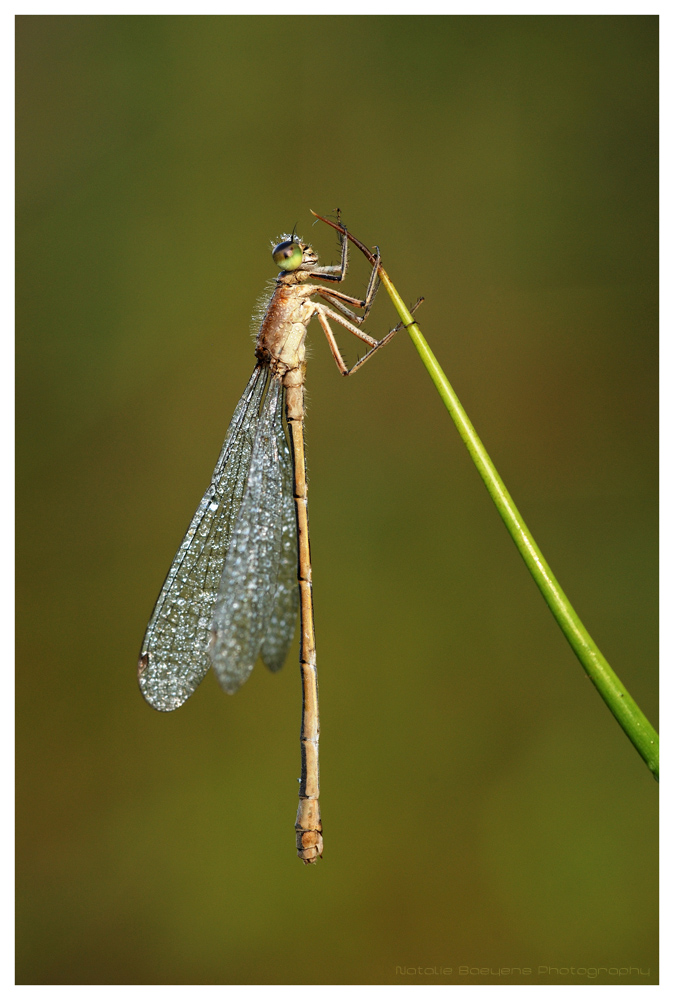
(244, 567)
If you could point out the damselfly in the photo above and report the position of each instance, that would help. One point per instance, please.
(232, 592)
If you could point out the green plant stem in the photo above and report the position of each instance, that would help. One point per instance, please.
(608, 684)
(618, 699)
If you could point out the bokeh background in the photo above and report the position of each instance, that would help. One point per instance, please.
(481, 806)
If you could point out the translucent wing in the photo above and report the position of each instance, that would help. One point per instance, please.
(174, 655)
(281, 628)
(255, 577)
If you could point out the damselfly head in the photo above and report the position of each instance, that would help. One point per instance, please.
(291, 253)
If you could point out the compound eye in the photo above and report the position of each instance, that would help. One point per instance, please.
(287, 255)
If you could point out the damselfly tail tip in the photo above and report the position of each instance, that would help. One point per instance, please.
(309, 830)
(309, 846)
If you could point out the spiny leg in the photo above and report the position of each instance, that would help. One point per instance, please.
(383, 341)
(337, 273)
(376, 344)
(322, 313)
(337, 299)
(332, 343)
(413, 309)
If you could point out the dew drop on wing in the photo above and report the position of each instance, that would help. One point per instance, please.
(174, 655)
(253, 592)
(283, 619)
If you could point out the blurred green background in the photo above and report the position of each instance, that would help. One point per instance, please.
(481, 807)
